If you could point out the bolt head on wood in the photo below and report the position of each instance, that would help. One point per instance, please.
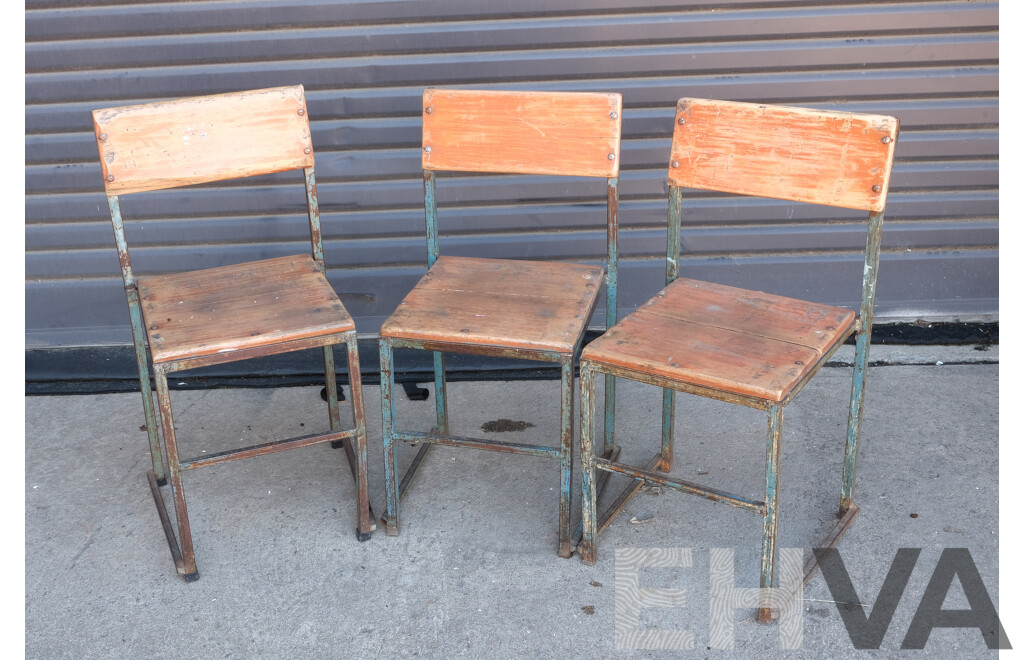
(613, 115)
(682, 120)
(103, 136)
(110, 177)
(428, 109)
(301, 112)
(876, 188)
(306, 150)
(426, 149)
(886, 140)
(675, 163)
(611, 156)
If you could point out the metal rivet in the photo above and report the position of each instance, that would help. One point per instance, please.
(886, 140)
(613, 115)
(110, 177)
(306, 150)
(301, 112)
(426, 149)
(675, 163)
(428, 110)
(103, 136)
(877, 188)
(682, 120)
(611, 156)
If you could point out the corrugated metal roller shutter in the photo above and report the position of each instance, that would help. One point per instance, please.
(364, 66)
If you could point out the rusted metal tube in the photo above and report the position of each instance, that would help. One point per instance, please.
(612, 316)
(860, 362)
(387, 385)
(566, 467)
(650, 477)
(188, 555)
(366, 521)
(313, 212)
(587, 547)
(131, 290)
(771, 506)
(264, 449)
(473, 443)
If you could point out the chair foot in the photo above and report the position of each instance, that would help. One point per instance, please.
(589, 557)
(190, 577)
(389, 529)
(161, 482)
(565, 551)
(363, 536)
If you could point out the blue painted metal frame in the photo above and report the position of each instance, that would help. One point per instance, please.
(769, 507)
(182, 550)
(440, 434)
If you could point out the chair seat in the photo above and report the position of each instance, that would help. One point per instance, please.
(499, 303)
(231, 308)
(737, 341)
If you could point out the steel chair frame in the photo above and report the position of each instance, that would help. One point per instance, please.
(440, 434)
(162, 472)
(594, 463)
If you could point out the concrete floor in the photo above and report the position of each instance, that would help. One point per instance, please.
(474, 572)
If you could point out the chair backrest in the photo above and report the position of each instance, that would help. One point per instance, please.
(503, 132)
(169, 144)
(821, 157)
(567, 133)
(208, 138)
(832, 158)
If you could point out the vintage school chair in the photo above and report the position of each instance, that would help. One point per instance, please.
(231, 313)
(507, 308)
(746, 347)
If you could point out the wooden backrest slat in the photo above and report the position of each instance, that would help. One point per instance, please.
(567, 133)
(823, 157)
(208, 138)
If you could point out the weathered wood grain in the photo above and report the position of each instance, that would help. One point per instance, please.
(568, 133)
(168, 144)
(499, 303)
(243, 306)
(823, 157)
(732, 340)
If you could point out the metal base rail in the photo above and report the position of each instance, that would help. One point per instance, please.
(338, 438)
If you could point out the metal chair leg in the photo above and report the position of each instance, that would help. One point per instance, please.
(138, 337)
(188, 566)
(860, 365)
(771, 505)
(565, 494)
(366, 524)
(668, 426)
(387, 386)
(588, 547)
(331, 385)
(440, 394)
(609, 414)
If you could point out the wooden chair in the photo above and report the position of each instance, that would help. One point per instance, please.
(745, 347)
(512, 308)
(231, 313)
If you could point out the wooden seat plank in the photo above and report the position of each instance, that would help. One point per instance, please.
(757, 313)
(733, 340)
(241, 306)
(504, 304)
